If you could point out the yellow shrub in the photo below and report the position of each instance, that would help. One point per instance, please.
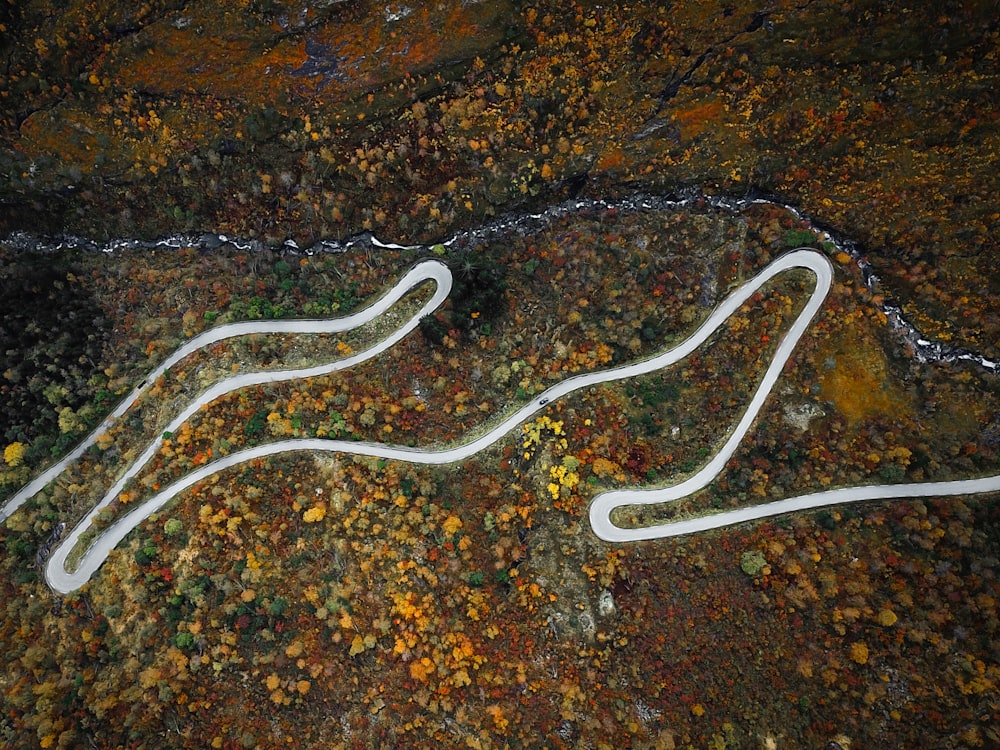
(314, 514)
(13, 454)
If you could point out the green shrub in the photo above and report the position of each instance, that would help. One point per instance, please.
(799, 238)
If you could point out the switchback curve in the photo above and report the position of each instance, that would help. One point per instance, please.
(602, 506)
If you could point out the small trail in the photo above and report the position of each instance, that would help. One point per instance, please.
(64, 581)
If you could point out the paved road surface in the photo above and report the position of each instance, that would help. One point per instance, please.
(601, 508)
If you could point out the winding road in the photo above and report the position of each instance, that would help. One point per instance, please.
(64, 581)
